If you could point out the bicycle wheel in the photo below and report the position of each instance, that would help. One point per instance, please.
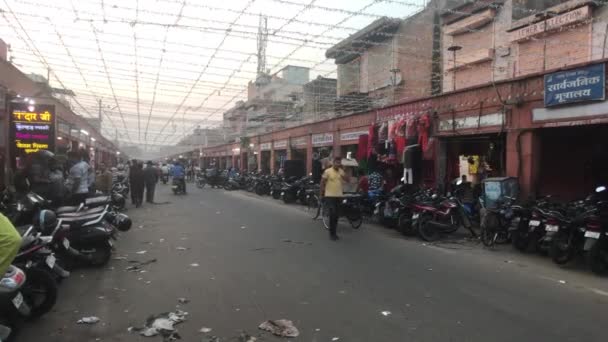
(313, 207)
(325, 216)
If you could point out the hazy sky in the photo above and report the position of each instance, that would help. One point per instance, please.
(117, 50)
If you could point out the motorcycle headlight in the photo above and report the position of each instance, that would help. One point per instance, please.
(344, 201)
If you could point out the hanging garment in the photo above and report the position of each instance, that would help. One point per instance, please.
(408, 176)
(391, 129)
(372, 162)
(400, 128)
(408, 156)
(362, 147)
(383, 132)
(371, 139)
(392, 150)
(410, 130)
(400, 145)
(424, 123)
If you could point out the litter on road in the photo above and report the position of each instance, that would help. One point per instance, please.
(280, 327)
(183, 300)
(194, 265)
(385, 313)
(205, 330)
(162, 324)
(88, 320)
(141, 252)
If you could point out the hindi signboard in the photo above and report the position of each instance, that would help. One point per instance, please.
(281, 144)
(32, 128)
(582, 84)
(322, 139)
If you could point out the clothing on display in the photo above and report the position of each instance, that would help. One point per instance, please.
(408, 156)
(371, 139)
(372, 162)
(408, 176)
(424, 123)
(400, 144)
(383, 132)
(400, 128)
(410, 130)
(362, 147)
(391, 130)
(392, 150)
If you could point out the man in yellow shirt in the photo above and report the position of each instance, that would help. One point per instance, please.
(331, 191)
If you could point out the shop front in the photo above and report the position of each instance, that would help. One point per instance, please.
(571, 134)
(350, 144)
(298, 149)
(322, 149)
(265, 157)
(280, 154)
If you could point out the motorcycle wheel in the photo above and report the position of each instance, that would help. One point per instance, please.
(313, 207)
(101, 254)
(520, 241)
(356, 221)
(289, 198)
(561, 250)
(404, 225)
(488, 230)
(259, 190)
(200, 184)
(427, 232)
(39, 291)
(597, 258)
(276, 194)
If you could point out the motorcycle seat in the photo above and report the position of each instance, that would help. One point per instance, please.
(80, 220)
(97, 201)
(90, 211)
(66, 209)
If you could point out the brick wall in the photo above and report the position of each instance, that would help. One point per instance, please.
(566, 47)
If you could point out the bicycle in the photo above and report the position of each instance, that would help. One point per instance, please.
(349, 207)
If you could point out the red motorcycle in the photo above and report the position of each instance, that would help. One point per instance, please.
(443, 216)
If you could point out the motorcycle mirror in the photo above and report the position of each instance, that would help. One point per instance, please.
(600, 189)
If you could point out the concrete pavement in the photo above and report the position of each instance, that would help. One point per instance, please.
(249, 259)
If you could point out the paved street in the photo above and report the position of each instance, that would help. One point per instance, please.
(259, 259)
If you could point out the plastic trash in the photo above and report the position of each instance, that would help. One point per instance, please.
(205, 330)
(162, 324)
(88, 320)
(280, 327)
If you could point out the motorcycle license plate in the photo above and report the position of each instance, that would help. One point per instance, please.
(593, 235)
(551, 228)
(534, 223)
(50, 261)
(66, 243)
(18, 300)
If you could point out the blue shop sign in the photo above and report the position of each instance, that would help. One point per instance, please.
(582, 84)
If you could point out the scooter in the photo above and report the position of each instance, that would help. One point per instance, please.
(13, 307)
(178, 186)
(164, 178)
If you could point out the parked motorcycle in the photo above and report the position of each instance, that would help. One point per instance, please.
(444, 217)
(496, 222)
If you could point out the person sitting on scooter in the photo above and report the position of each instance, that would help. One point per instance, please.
(165, 172)
(179, 174)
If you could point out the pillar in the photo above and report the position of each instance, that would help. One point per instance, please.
(272, 156)
(309, 154)
(523, 159)
(259, 157)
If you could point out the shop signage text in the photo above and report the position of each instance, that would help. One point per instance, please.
(322, 139)
(280, 144)
(469, 122)
(265, 146)
(582, 84)
(551, 23)
(351, 135)
(32, 128)
(301, 141)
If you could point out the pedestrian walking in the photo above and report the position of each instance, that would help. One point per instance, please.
(137, 184)
(150, 179)
(103, 180)
(78, 181)
(332, 193)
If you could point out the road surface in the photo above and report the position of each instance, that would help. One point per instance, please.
(241, 260)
